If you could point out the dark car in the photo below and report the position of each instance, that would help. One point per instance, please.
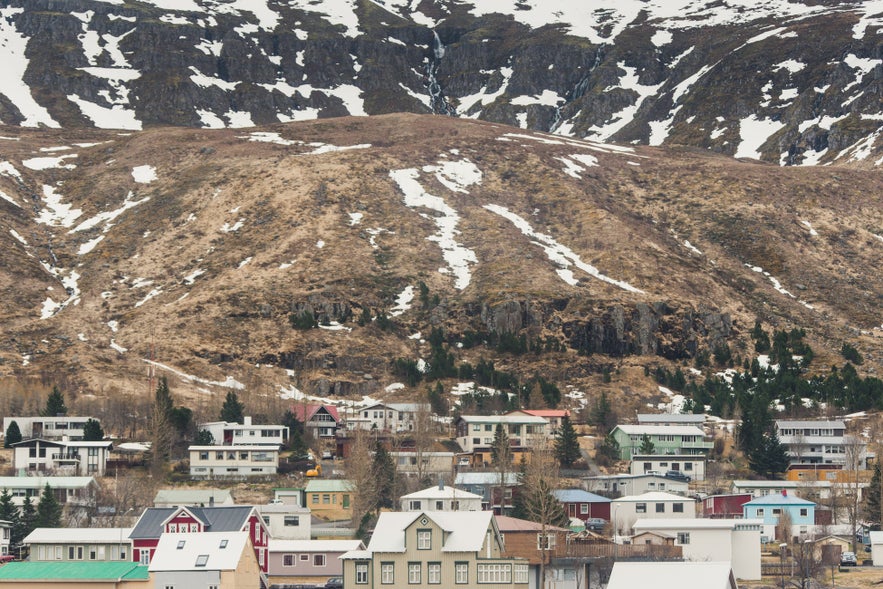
(677, 475)
(595, 524)
(334, 583)
(848, 559)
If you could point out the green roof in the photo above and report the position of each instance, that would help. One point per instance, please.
(74, 571)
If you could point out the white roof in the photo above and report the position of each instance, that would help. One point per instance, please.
(653, 496)
(531, 419)
(485, 478)
(671, 575)
(446, 492)
(314, 545)
(465, 529)
(668, 430)
(79, 535)
(168, 557)
(40, 482)
(692, 523)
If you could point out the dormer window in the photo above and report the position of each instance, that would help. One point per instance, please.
(201, 560)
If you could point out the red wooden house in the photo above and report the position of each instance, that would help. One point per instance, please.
(726, 506)
(156, 521)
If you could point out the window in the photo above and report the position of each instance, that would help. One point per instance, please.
(123, 553)
(461, 573)
(760, 511)
(387, 573)
(305, 557)
(201, 560)
(315, 497)
(494, 573)
(424, 539)
(584, 508)
(318, 560)
(414, 573)
(660, 508)
(804, 512)
(219, 455)
(640, 508)
(144, 556)
(476, 441)
(776, 511)
(455, 505)
(288, 560)
(521, 573)
(181, 544)
(70, 553)
(439, 505)
(173, 528)
(223, 544)
(362, 573)
(433, 573)
(688, 466)
(291, 520)
(546, 541)
(476, 427)
(683, 537)
(203, 455)
(677, 507)
(194, 527)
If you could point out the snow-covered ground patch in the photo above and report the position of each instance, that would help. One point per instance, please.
(396, 386)
(403, 302)
(228, 383)
(118, 347)
(45, 163)
(561, 255)
(754, 132)
(776, 284)
(458, 257)
(356, 218)
(334, 326)
(144, 174)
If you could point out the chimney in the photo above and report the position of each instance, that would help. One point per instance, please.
(784, 492)
(441, 484)
(247, 420)
(211, 501)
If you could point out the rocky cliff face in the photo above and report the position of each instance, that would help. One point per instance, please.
(788, 82)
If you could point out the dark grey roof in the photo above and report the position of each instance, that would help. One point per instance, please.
(226, 518)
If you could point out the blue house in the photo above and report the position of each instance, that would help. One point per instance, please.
(777, 510)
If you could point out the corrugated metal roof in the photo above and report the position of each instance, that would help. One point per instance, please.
(40, 482)
(465, 529)
(224, 518)
(444, 493)
(671, 575)
(192, 496)
(199, 551)
(671, 417)
(329, 486)
(778, 499)
(514, 419)
(809, 423)
(73, 571)
(657, 430)
(485, 478)
(578, 496)
(82, 535)
(513, 524)
(692, 523)
(315, 545)
(653, 496)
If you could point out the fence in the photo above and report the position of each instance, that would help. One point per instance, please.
(625, 551)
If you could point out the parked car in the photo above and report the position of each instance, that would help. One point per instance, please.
(334, 583)
(677, 475)
(595, 524)
(848, 559)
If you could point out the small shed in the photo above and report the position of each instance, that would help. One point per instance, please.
(655, 538)
(877, 548)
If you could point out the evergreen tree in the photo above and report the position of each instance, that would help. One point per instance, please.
(384, 470)
(647, 446)
(48, 510)
(602, 414)
(501, 452)
(204, 438)
(13, 435)
(28, 518)
(872, 498)
(55, 404)
(161, 444)
(9, 512)
(566, 443)
(232, 411)
(608, 451)
(770, 458)
(92, 431)
(296, 441)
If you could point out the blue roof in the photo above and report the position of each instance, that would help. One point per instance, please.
(578, 496)
(778, 499)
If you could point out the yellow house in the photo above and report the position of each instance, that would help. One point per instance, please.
(431, 549)
(329, 498)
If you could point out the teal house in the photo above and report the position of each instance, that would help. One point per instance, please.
(666, 439)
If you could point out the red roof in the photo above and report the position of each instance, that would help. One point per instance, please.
(305, 411)
(513, 524)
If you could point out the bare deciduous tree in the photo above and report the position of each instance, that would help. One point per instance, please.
(359, 472)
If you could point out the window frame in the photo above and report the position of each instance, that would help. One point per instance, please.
(461, 573)
(424, 539)
(433, 570)
(387, 573)
(415, 573)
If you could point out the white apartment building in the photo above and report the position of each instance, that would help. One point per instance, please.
(476, 432)
(72, 458)
(48, 428)
(388, 417)
(245, 434)
(822, 442)
(625, 511)
(212, 462)
(734, 540)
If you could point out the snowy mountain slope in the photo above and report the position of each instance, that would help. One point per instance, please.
(790, 82)
(194, 248)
